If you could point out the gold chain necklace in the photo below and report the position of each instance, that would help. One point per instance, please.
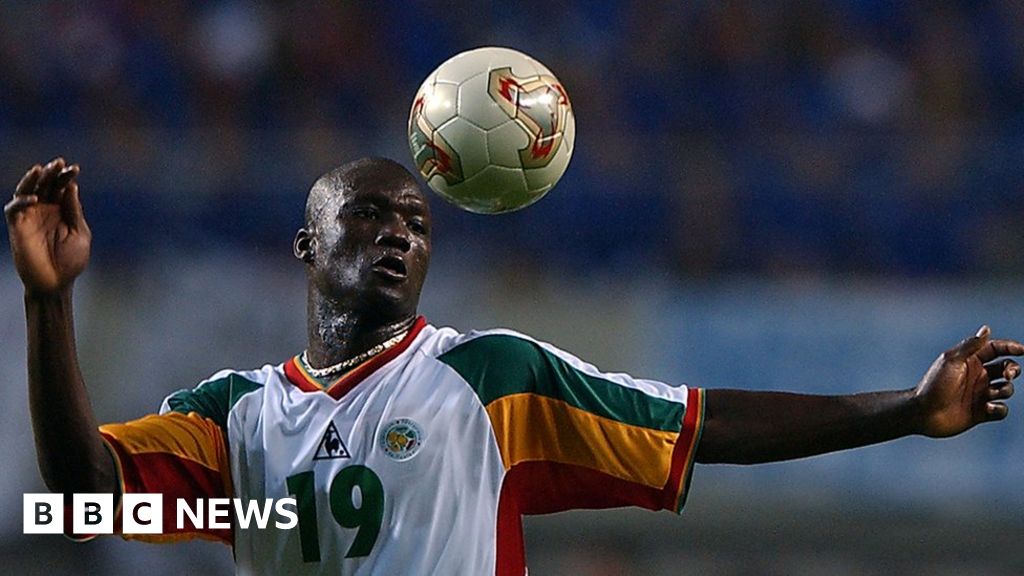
(353, 361)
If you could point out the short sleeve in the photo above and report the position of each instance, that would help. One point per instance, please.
(180, 456)
(572, 436)
(180, 453)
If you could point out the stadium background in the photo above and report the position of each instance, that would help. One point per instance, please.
(812, 195)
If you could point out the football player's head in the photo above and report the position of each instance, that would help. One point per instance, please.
(366, 239)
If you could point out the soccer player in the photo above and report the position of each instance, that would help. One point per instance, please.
(412, 449)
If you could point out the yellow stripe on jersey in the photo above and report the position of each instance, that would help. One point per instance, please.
(189, 437)
(531, 427)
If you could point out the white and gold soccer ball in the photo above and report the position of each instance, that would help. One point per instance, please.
(491, 130)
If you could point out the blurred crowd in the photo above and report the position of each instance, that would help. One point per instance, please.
(714, 137)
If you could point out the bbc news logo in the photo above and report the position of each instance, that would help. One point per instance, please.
(143, 513)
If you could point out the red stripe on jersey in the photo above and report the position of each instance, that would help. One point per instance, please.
(298, 377)
(173, 477)
(350, 380)
(542, 487)
(684, 451)
(511, 553)
(554, 487)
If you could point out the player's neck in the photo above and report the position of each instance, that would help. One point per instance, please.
(337, 333)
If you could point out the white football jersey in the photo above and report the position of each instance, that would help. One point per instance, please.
(422, 460)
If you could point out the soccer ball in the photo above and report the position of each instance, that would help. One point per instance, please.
(491, 130)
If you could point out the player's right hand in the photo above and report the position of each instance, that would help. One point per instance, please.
(50, 239)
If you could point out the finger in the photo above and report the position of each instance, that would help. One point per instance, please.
(18, 204)
(66, 175)
(27, 184)
(996, 410)
(62, 182)
(71, 207)
(997, 348)
(1011, 370)
(44, 187)
(1000, 391)
(1002, 368)
(971, 346)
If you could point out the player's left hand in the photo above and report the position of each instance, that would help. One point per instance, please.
(967, 385)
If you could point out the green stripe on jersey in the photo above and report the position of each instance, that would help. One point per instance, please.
(214, 398)
(500, 365)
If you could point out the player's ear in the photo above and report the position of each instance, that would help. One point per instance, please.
(304, 246)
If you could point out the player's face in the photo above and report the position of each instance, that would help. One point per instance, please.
(373, 247)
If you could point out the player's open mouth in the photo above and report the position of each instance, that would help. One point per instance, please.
(390, 266)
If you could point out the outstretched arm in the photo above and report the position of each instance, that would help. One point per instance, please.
(964, 387)
(50, 243)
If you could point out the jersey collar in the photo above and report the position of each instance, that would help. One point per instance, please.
(298, 376)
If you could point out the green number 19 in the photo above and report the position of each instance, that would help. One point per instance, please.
(367, 517)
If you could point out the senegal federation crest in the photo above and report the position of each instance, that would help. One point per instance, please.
(401, 439)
